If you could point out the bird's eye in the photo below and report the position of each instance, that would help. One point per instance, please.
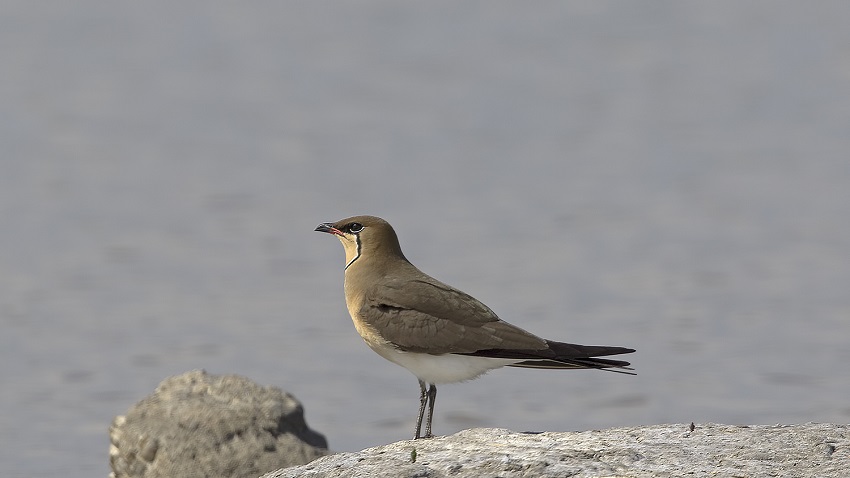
(355, 227)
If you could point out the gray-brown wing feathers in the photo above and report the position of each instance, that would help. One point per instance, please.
(446, 320)
(442, 320)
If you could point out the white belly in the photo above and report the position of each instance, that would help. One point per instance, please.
(447, 368)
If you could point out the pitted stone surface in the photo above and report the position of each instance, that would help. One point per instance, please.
(201, 425)
(810, 450)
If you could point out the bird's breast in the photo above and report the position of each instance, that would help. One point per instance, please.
(354, 301)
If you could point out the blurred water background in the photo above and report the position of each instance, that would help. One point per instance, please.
(669, 176)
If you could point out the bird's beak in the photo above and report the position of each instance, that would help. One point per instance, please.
(329, 228)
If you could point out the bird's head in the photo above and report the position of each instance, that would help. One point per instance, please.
(367, 237)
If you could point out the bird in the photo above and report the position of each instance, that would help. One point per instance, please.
(437, 332)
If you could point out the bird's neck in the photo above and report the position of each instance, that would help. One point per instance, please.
(369, 269)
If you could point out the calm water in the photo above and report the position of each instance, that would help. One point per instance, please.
(670, 177)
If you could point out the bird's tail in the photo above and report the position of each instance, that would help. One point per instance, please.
(560, 355)
(618, 366)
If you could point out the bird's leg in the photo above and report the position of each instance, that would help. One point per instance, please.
(422, 400)
(432, 396)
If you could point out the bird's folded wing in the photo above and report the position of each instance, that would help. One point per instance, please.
(428, 316)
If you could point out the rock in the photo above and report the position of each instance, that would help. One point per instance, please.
(200, 425)
(811, 450)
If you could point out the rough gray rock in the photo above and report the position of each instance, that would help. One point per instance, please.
(811, 450)
(200, 425)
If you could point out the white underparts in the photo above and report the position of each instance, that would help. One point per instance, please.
(445, 368)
